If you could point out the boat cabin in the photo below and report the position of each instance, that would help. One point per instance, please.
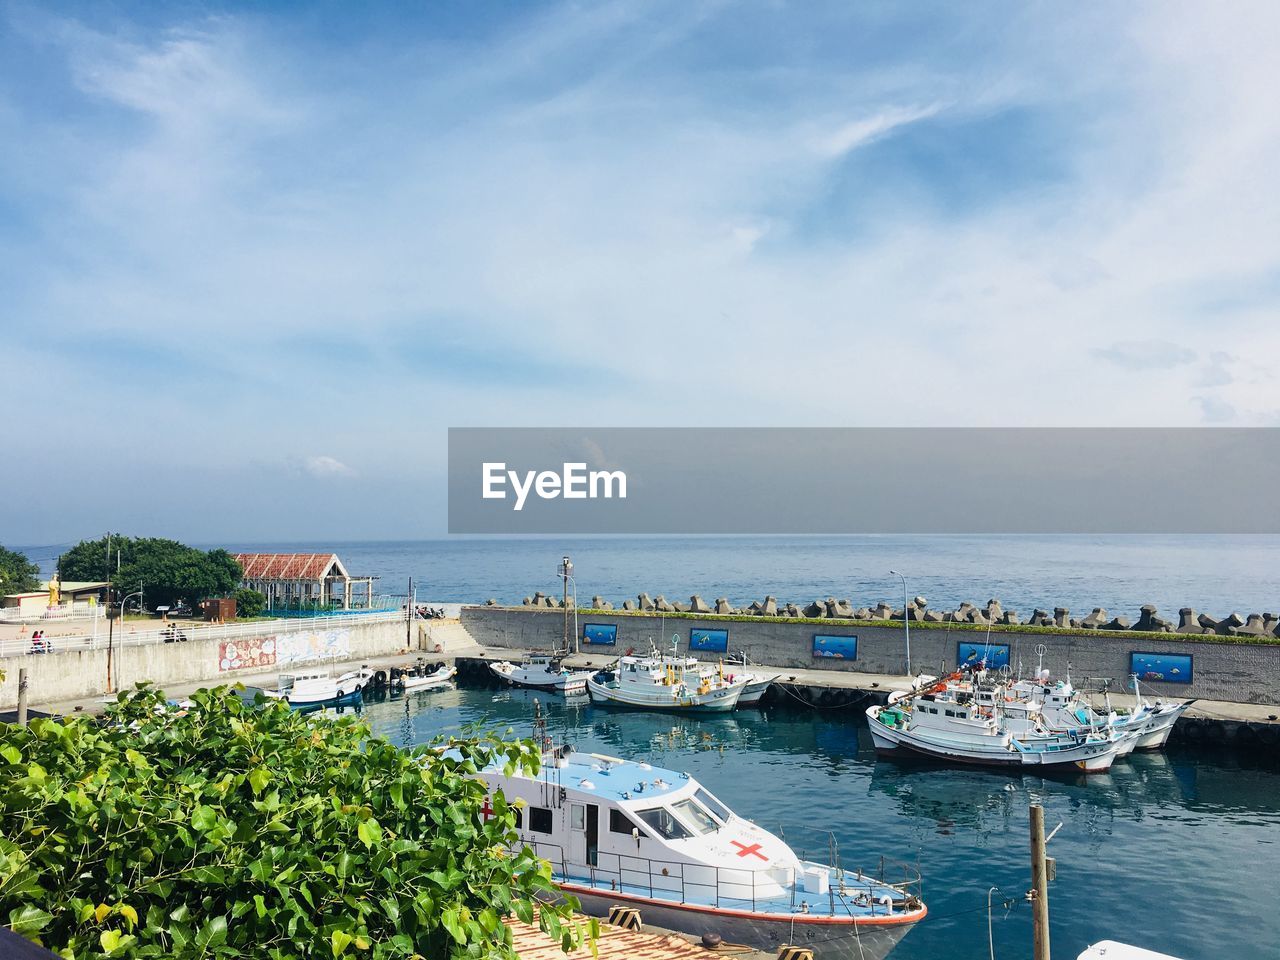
(622, 826)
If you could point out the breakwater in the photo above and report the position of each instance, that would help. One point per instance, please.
(1233, 669)
(993, 613)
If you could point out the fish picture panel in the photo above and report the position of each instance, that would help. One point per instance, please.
(1161, 667)
(971, 654)
(600, 634)
(714, 641)
(835, 647)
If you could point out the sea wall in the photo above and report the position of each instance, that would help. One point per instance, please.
(69, 674)
(1235, 671)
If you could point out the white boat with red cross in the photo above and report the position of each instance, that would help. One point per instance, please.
(622, 833)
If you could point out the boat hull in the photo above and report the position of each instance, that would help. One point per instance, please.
(869, 938)
(753, 692)
(1159, 727)
(1093, 757)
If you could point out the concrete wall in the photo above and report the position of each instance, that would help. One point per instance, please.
(1238, 672)
(69, 674)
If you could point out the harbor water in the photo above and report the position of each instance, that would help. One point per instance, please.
(1176, 852)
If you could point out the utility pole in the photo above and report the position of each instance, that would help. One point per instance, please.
(1041, 868)
(906, 618)
(566, 569)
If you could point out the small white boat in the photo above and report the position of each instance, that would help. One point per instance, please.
(757, 682)
(423, 677)
(312, 691)
(620, 833)
(656, 682)
(541, 672)
(964, 722)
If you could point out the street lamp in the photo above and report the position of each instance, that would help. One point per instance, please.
(566, 574)
(906, 618)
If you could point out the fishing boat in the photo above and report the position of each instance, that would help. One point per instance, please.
(422, 677)
(757, 682)
(542, 672)
(1163, 716)
(319, 689)
(962, 720)
(1113, 950)
(621, 833)
(659, 682)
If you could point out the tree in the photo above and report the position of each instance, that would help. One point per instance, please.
(249, 830)
(167, 570)
(17, 573)
(249, 603)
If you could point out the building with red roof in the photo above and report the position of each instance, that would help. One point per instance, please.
(304, 581)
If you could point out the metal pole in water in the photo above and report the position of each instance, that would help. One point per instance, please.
(1039, 884)
(22, 696)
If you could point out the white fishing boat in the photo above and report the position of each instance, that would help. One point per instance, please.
(1163, 716)
(422, 677)
(542, 672)
(1147, 724)
(317, 689)
(757, 682)
(620, 833)
(657, 682)
(960, 720)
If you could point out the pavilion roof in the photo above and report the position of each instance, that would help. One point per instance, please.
(291, 566)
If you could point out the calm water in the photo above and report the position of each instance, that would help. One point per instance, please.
(1213, 574)
(1174, 852)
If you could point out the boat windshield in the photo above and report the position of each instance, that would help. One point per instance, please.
(698, 818)
(664, 823)
(718, 809)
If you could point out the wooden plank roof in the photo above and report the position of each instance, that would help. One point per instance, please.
(290, 566)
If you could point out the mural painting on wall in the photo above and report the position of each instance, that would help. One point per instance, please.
(309, 645)
(252, 652)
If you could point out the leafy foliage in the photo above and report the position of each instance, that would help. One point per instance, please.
(168, 571)
(240, 830)
(17, 573)
(249, 603)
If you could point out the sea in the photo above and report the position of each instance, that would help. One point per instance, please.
(1177, 852)
(1213, 574)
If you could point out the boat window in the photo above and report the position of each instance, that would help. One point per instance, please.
(619, 822)
(718, 809)
(664, 823)
(698, 818)
(540, 819)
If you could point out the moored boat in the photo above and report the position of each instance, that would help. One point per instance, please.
(757, 683)
(541, 672)
(319, 689)
(961, 720)
(656, 682)
(618, 832)
(422, 677)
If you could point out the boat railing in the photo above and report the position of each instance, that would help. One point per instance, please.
(685, 882)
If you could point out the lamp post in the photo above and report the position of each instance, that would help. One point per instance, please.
(906, 618)
(110, 633)
(566, 574)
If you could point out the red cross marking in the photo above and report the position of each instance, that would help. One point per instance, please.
(487, 809)
(754, 849)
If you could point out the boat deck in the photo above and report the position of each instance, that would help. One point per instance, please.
(863, 897)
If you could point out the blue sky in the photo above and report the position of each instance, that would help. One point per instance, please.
(257, 258)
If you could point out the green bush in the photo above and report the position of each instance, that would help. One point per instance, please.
(234, 830)
(249, 603)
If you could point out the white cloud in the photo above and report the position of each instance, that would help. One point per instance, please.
(325, 466)
(867, 130)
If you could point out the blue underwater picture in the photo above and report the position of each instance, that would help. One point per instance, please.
(1162, 667)
(717, 641)
(827, 645)
(600, 634)
(995, 654)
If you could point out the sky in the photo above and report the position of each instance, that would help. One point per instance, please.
(256, 259)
